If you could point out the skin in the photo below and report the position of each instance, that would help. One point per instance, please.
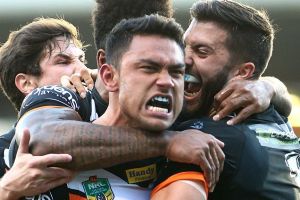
(159, 72)
(206, 56)
(201, 149)
(204, 49)
(30, 174)
(64, 60)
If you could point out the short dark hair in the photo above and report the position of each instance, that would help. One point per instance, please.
(24, 49)
(108, 13)
(119, 39)
(250, 32)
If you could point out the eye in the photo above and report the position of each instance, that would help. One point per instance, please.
(62, 62)
(202, 51)
(149, 68)
(177, 72)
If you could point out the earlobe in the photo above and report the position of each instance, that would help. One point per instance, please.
(25, 83)
(109, 77)
(100, 58)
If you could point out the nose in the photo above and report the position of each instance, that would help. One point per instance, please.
(165, 80)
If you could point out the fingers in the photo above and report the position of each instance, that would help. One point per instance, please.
(86, 77)
(221, 96)
(65, 81)
(207, 169)
(212, 179)
(220, 144)
(242, 115)
(228, 106)
(52, 159)
(221, 157)
(79, 81)
(79, 86)
(216, 157)
(94, 73)
(24, 143)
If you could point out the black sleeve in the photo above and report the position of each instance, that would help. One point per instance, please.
(54, 96)
(245, 166)
(5, 140)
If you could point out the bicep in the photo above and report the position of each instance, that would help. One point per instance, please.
(182, 189)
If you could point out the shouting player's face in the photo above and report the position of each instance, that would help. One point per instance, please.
(151, 82)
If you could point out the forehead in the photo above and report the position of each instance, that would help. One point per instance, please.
(206, 32)
(156, 48)
(63, 45)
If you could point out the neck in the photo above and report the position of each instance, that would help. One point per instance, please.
(113, 115)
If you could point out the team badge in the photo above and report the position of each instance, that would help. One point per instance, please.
(98, 189)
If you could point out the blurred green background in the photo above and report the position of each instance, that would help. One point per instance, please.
(284, 64)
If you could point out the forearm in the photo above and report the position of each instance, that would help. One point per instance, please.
(91, 146)
(281, 98)
(94, 146)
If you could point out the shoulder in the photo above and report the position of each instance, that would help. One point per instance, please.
(51, 96)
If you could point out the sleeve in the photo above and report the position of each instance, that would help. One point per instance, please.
(174, 171)
(188, 175)
(5, 140)
(52, 96)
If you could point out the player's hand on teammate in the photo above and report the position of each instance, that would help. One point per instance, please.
(31, 175)
(245, 97)
(80, 82)
(196, 147)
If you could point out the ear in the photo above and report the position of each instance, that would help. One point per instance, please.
(244, 71)
(110, 77)
(25, 83)
(100, 57)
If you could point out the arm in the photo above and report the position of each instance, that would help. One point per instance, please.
(249, 97)
(93, 146)
(183, 189)
(281, 98)
(31, 175)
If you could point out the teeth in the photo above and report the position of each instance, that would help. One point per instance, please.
(157, 109)
(162, 99)
(191, 93)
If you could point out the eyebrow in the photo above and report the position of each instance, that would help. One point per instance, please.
(67, 56)
(154, 63)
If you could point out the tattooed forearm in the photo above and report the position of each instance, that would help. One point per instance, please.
(91, 146)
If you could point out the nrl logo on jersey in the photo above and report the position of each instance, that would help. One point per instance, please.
(98, 189)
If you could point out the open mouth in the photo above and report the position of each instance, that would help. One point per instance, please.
(159, 104)
(192, 85)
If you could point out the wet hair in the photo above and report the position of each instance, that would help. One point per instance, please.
(24, 49)
(108, 13)
(250, 32)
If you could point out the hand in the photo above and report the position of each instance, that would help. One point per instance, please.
(31, 175)
(246, 96)
(79, 81)
(196, 147)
